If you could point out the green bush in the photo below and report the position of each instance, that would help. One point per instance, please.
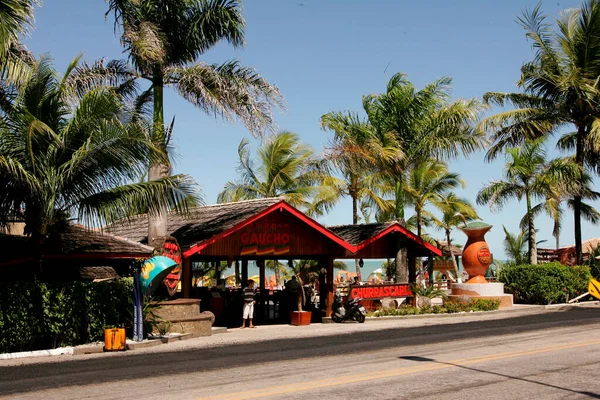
(37, 315)
(449, 307)
(545, 283)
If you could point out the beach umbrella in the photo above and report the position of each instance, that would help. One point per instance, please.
(154, 271)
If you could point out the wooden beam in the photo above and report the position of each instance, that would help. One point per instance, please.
(186, 278)
(244, 273)
(329, 286)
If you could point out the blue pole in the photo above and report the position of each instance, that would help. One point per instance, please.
(138, 318)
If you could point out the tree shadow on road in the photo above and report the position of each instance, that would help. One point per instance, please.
(511, 377)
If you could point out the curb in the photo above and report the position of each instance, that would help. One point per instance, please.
(38, 353)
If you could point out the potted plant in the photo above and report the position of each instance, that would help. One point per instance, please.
(300, 317)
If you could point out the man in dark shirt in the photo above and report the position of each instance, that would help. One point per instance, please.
(249, 293)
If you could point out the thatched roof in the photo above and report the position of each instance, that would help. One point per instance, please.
(443, 245)
(356, 234)
(74, 241)
(361, 235)
(202, 222)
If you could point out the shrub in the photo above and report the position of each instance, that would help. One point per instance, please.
(448, 308)
(545, 283)
(37, 315)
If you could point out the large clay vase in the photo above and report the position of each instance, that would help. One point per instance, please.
(476, 257)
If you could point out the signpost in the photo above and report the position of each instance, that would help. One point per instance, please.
(152, 273)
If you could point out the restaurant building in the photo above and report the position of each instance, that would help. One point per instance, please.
(271, 229)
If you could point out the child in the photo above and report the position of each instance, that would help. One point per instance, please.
(249, 293)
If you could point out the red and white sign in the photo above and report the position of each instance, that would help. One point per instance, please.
(372, 292)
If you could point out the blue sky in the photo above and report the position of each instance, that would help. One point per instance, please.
(324, 55)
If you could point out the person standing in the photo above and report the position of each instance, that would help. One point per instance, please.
(249, 294)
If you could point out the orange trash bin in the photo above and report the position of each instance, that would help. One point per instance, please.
(114, 339)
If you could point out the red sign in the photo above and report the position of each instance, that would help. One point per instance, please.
(171, 249)
(484, 256)
(372, 292)
(265, 239)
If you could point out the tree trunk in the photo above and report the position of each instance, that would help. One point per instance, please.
(532, 245)
(399, 194)
(402, 265)
(454, 264)
(277, 273)
(355, 222)
(581, 133)
(157, 221)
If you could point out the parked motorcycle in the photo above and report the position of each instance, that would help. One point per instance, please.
(352, 311)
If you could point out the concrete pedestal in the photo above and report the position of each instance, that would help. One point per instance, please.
(185, 316)
(481, 291)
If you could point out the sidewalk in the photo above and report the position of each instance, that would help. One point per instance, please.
(273, 332)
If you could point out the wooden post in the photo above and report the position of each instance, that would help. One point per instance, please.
(322, 284)
(329, 286)
(244, 273)
(186, 278)
(237, 273)
(412, 268)
(261, 269)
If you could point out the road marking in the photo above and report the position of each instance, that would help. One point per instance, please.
(367, 376)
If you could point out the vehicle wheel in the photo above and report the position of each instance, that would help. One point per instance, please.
(336, 318)
(360, 318)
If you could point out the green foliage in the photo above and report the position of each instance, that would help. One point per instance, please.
(430, 292)
(545, 283)
(593, 263)
(449, 307)
(38, 315)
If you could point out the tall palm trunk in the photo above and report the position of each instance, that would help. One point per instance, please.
(401, 255)
(454, 264)
(581, 132)
(157, 222)
(532, 245)
(355, 222)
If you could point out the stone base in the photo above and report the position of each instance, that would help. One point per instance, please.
(477, 289)
(493, 290)
(506, 300)
(185, 317)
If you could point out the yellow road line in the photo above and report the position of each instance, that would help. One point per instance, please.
(367, 376)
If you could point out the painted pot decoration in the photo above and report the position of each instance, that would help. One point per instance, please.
(476, 257)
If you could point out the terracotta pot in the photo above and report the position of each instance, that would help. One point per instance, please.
(476, 257)
(300, 318)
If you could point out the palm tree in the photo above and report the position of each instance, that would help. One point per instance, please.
(514, 246)
(164, 40)
(560, 88)
(426, 125)
(285, 168)
(552, 206)
(356, 152)
(427, 183)
(65, 154)
(17, 21)
(455, 210)
(527, 175)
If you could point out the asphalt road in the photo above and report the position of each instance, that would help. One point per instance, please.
(554, 355)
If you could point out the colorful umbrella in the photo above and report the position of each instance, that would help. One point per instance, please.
(154, 271)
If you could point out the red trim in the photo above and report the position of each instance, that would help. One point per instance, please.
(396, 227)
(96, 256)
(13, 262)
(281, 205)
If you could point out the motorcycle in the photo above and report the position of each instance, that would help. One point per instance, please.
(352, 311)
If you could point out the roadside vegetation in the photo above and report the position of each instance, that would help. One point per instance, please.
(449, 307)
